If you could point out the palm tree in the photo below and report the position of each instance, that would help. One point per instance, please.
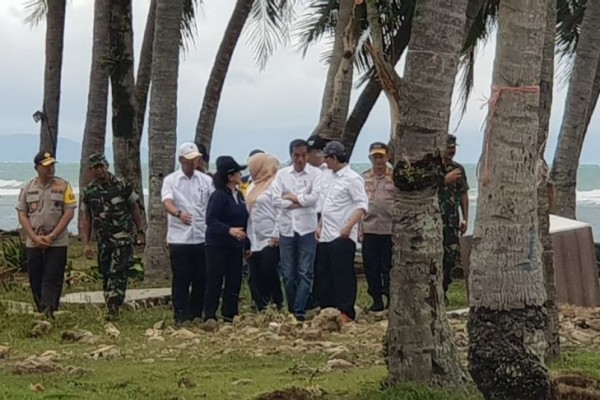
(144, 72)
(214, 86)
(545, 105)
(162, 127)
(577, 111)
(419, 344)
(94, 133)
(54, 13)
(507, 288)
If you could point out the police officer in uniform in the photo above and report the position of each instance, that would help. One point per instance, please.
(110, 205)
(45, 207)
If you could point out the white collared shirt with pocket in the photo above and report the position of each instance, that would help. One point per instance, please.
(190, 195)
(306, 185)
(343, 194)
(262, 223)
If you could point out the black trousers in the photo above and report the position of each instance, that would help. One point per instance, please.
(188, 263)
(336, 286)
(264, 277)
(46, 269)
(377, 258)
(223, 279)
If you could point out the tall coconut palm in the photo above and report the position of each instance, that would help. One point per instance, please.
(419, 344)
(94, 133)
(216, 80)
(579, 95)
(54, 13)
(545, 106)
(162, 128)
(126, 137)
(507, 289)
(144, 72)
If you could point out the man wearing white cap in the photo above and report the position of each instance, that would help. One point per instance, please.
(185, 195)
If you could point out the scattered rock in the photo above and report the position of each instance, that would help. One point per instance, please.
(40, 329)
(302, 369)
(184, 333)
(148, 360)
(328, 320)
(4, 350)
(242, 382)
(75, 336)
(156, 339)
(338, 364)
(212, 326)
(35, 365)
(312, 334)
(159, 326)
(106, 352)
(37, 388)
(186, 383)
(111, 330)
(293, 393)
(274, 327)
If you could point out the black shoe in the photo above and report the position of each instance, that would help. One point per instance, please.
(112, 314)
(377, 305)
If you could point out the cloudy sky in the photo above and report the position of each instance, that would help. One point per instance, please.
(258, 108)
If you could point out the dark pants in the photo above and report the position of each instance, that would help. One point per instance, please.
(377, 258)
(188, 263)
(46, 269)
(451, 254)
(336, 286)
(223, 263)
(115, 260)
(264, 276)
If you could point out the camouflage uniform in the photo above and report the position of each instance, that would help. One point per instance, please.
(110, 206)
(449, 200)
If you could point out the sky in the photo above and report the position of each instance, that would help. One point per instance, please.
(259, 109)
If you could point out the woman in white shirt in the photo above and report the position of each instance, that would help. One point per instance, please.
(263, 232)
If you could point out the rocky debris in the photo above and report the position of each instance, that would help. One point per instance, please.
(328, 320)
(242, 382)
(183, 333)
(573, 386)
(294, 393)
(211, 326)
(186, 383)
(302, 369)
(312, 334)
(40, 329)
(106, 352)
(42, 364)
(4, 350)
(36, 388)
(336, 364)
(80, 336)
(111, 330)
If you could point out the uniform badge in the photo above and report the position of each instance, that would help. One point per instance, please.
(33, 206)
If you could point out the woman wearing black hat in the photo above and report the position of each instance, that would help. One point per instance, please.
(226, 220)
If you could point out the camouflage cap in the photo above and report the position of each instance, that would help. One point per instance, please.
(97, 159)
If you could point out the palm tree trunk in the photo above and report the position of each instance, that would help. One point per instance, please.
(507, 319)
(144, 71)
(338, 87)
(94, 133)
(55, 31)
(368, 97)
(162, 135)
(126, 137)
(546, 85)
(419, 345)
(572, 131)
(214, 86)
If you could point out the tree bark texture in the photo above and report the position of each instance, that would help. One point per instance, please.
(162, 136)
(338, 87)
(546, 85)
(144, 72)
(507, 319)
(55, 31)
(419, 345)
(573, 128)
(214, 86)
(126, 137)
(94, 133)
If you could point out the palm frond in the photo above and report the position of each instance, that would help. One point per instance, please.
(477, 35)
(569, 18)
(319, 19)
(188, 25)
(268, 27)
(35, 11)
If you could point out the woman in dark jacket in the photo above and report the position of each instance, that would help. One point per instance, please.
(226, 219)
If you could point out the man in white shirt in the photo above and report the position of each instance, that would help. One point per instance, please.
(296, 193)
(185, 195)
(344, 204)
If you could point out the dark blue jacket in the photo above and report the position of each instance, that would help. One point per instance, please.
(223, 213)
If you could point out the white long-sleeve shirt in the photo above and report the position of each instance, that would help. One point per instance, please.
(343, 194)
(306, 185)
(262, 223)
(189, 195)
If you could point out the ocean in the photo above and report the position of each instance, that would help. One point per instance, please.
(13, 175)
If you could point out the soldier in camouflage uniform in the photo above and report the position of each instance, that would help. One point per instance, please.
(452, 195)
(110, 205)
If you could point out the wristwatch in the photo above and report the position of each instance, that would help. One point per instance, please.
(178, 213)
(53, 236)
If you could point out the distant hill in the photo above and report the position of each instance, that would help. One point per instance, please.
(22, 148)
